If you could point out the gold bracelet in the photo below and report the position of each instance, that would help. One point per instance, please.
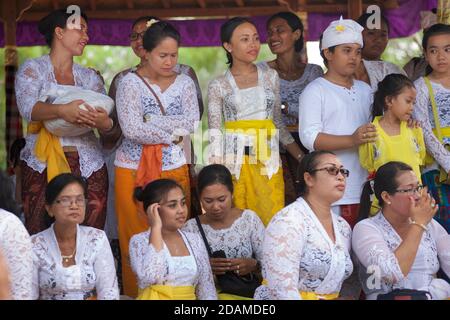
(411, 221)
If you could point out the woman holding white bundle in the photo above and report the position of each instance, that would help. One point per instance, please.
(45, 154)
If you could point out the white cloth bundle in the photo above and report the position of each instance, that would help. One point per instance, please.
(61, 94)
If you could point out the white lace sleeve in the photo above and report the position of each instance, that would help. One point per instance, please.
(105, 271)
(282, 250)
(442, 239)
(27, 86)
(16, 246)
(215, 117)
(285, 135)
(257, 236)
(437, 150)
(150, 267)
(130, 114)
(370, 247)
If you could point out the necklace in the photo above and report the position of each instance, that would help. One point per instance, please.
(67, 258)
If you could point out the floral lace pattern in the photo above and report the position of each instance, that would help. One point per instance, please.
(298, 254)
(34, 78)
(152, 267)
(378, 70)
(374, 243)
(15, 245)
(94, 273)
(423, 112)
(243, 239)
(135, 102)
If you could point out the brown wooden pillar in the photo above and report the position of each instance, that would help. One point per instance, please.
(354, 9)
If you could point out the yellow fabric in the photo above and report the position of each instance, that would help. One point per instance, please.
(48, 149)
(261, 130)
(309, 295)
(257, 192)
(164, 292)
(227, 296)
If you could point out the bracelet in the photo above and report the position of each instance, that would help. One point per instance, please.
(411, 221)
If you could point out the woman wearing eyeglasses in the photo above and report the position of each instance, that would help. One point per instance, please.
(402, 246)
(73, 262)
(306, 248)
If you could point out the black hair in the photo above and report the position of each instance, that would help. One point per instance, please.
(155, 191)
(390, 86)
(56, 18)
(157, 32)
(385, 180)
(143, 19)
(14, 151)
(307, 165)
(213, 174)
(58, 183)
(294, 22)
(434, 30)
(7, 192)
(331, 49)
(226, 32)
(362, 20)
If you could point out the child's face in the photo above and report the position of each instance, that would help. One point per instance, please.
(345, 58)
(438, 53)
(402, 104)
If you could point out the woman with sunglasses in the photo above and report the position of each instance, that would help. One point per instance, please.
(402, 246)
(73, 262)
(306, 248)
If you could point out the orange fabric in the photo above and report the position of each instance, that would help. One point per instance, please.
(131, 219)
(150, 165)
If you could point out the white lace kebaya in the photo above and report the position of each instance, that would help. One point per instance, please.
(15, 245)
(243, 239)
(160, 268)
(374, 243)
(298, 255)
(35, 77)
(134, 101)
(377, 70)
(94, 273)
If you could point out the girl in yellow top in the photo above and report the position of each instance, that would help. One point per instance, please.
(392, 108)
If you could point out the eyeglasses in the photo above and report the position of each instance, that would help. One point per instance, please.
(411, 191)
(334, 171)
(67, 201)
(135, 35)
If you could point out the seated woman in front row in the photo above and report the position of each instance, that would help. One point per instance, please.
(169, 264)
(238, 233)
(402, 246)
(306, 248)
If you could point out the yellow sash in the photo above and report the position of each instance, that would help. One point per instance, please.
(164, 292)
(48, 149)
(309, 295)
(262, 130)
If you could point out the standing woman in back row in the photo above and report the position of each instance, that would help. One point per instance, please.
(246, 99)
(156, 107)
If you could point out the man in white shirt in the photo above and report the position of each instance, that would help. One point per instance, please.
(334, 111)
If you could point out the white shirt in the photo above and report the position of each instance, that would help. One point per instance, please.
(93, 274)
(374, 242)
(298, 254)
(160, 268)
(15, 244)
(325, 107)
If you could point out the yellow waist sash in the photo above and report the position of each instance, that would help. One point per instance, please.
(48, 149)
(260, 129)
(309, 295)
(164, 292)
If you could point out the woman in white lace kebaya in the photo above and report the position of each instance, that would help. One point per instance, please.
(238, 233)
(432, 110)
(46, 155)
(15, 244)
(306, 248)
(285, 40)
(170, 264)
(246, 101)
(73, 262)
(402, 247)
(157, 110)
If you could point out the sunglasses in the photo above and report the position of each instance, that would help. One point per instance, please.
(334, 171)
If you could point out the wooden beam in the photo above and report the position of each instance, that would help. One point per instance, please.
(291, 5)
(355, 9)
(201, 3)
(55, 4)
(240, 3)
(93, 5)
(166, 4)
(130, 4)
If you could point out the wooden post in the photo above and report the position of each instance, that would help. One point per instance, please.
(354, 9)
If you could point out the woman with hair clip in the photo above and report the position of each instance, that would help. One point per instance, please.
(306, 248)
(156, 107)
(169, 264)
(285, 40)
(402, 247)
(46, 155)
(237, 233)
(246, 101)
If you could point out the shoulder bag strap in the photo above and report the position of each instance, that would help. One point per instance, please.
(153, 92)
(202, 232)
(437, 123)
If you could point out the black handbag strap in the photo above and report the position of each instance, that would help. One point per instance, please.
(202, 232)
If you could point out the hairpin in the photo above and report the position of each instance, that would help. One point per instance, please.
(151, 22)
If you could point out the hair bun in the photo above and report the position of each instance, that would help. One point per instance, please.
(45, 25)
(139, 194)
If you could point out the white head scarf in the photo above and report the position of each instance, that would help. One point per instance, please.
(342, 31)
